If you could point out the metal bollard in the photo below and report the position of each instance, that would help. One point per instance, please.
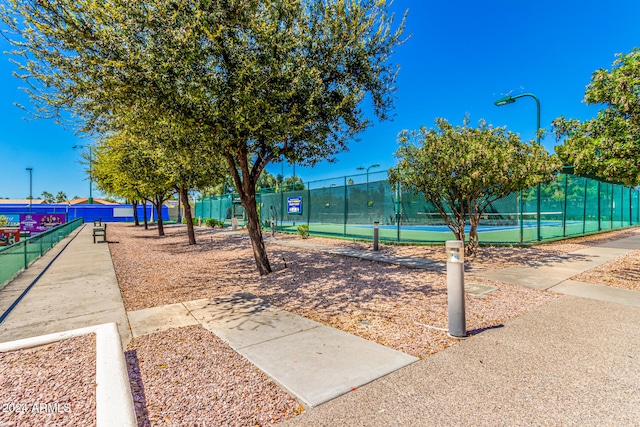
(455, 288)
(376, 234)
(199, 221)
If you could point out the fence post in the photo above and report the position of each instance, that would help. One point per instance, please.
(564, 212)
(344, 205)
(398, 205)
(538, 215)
(26, 264)
(308, 205)
(584, 201)
(611, 215)
(521, 208)
(599, 207)
(630, 207)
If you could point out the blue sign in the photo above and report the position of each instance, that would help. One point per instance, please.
(294, 205)
(9, 220)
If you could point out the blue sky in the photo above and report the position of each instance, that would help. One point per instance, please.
(461, 56)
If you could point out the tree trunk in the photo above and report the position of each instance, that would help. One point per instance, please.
(136, 220)
(158, 204)
(255, 233)
(245, 181)
(184, 196)
(144, 209)
(472, 245)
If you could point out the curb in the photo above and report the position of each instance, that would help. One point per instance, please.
(114, 401)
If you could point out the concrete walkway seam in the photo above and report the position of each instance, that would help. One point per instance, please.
(114, 401)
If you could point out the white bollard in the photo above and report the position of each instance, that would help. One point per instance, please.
(455, 288)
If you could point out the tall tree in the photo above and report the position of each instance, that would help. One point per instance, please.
(607, 146)
(48, 197)
(128, 167)
(462, 170)
(61, 197)
(260, 79)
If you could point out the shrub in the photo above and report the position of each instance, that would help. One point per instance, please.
(303, 231)
(210, 222)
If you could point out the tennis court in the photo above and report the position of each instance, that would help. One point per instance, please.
(345, 207)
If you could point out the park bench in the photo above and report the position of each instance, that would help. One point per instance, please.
(100, 232)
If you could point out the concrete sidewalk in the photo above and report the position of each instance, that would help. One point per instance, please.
(573, 362)
(555, 275)
(77, 290)
(314, 362)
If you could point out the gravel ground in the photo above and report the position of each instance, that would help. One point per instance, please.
(623, 273)
(188, 376)
(50, 386)
(407, 307)
(178, 378)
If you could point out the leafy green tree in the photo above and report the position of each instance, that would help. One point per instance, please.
(47, 197)
(293, 183)
(260, 80)
(462, 170)
(61, 197)
(266, 180)
(130, 168)
(607, 146)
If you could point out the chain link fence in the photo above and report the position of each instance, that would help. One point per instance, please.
(348, 206)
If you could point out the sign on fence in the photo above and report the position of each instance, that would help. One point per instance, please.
(39, 223)
(294, 205)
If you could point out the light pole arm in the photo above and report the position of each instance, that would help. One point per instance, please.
(537, 112)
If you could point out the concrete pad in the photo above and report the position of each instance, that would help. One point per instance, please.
(628, 243)
(322, 363)
(156, 319)
(477, 289)
(267, 325)
(227, 307)
(609, 250)
(18, 326)
(74, 298)
(598, 292)
(522, 277)
(315, 363)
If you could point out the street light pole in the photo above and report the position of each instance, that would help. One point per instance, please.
(30, 189)
(367, 169)
(369, 202)
(90, 201)
(510, 100)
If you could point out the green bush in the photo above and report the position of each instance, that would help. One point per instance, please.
(303, 231)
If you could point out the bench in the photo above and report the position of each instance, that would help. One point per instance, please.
(100, 232)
